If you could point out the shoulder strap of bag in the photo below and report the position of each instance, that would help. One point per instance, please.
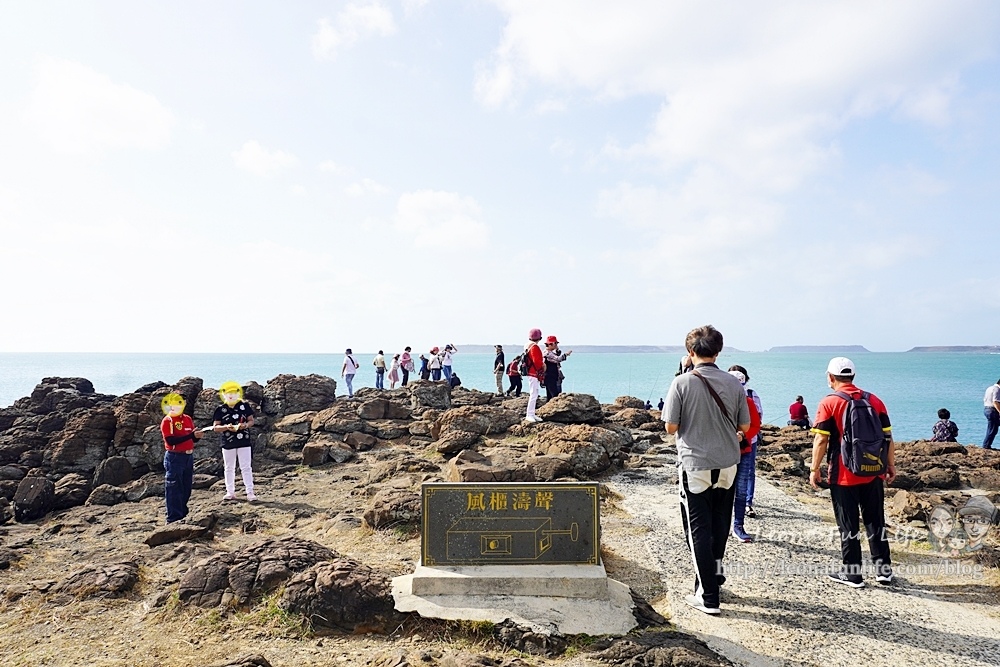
(715, 395)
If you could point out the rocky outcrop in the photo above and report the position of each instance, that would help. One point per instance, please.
(393, 508)
(572, 409)
(114, 470)
(34, 498)
(233, 579)
(427, 395)
(341, 594)
(101, 581)
(291, 394)
(590, 448)
(84, 442)
(666, 649)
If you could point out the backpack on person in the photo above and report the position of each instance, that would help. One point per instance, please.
(864, 447)
(524, 368)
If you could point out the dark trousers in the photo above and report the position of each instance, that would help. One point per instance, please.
(870, 499)
(706, 517)
(179, 470)
(515, 384)
(406, 376)
(992, 425)
(552, 384)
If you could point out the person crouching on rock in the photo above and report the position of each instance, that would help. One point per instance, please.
(232, 419)
(179, 436)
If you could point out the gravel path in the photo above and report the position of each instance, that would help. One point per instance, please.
(778, 608)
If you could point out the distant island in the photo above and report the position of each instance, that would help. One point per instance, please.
(821, 349)
(975, 349)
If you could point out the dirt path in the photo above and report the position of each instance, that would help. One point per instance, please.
(779, 609)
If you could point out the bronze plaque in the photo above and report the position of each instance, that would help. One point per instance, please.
(504, 523)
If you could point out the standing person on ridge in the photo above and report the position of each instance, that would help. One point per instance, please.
(179, 438)
(233, 418)
(991, 409)
(535, 372)
(434, 363)
(705, 408)
(850, 492)
(449, 352)
(553, 365)
(425, 371)
(379, 363)
(745, 470)
(499, 367)
(394, 371)
(348, 370)
(514, 376)
(406, 365)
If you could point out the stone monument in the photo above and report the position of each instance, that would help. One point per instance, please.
(529, 552)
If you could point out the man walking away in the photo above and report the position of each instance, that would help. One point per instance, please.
(850, 491)
(499, 367)
(704, 408)
(991, 408)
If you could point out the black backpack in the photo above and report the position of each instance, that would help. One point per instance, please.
(525, 366)
(864, 446)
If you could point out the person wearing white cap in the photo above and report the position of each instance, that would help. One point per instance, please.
(851, 492)
(705, 409)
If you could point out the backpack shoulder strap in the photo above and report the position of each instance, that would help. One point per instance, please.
(715, 395)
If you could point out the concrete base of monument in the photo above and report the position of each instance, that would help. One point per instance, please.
(569, 599)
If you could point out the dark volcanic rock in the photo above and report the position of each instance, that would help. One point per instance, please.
(291, 394)
(392, 508)
(658, 649)
(101, 580)
(526, 640)
(71, 490)
(251, 660)
(114, 470)
(84, 442)
(427, 395)
(34, 498)
(106, 494)
(236, 578)
(341, 594)
(471, 466)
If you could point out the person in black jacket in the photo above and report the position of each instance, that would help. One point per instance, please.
(499, 367)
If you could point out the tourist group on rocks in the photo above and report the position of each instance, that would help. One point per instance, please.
(538, 366)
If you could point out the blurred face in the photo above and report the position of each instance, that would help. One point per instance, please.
(172, 405)
(941, 523)
(231, 393)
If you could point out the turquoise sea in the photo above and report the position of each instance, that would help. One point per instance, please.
(913, 385)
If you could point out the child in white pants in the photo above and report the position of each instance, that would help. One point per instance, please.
(233, 419)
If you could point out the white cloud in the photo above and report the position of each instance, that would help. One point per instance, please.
(441, 219)
(77, 110)
(413, 6)
(757, 89)
(365, 187)
(331, 167)
(355, 22)
(258, 160)
(298, 190)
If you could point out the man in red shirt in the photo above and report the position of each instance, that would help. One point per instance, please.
(848, 491)
(799, 413)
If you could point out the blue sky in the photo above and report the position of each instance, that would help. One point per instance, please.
(303, 177)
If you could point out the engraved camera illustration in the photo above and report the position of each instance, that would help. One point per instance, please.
(524, 538)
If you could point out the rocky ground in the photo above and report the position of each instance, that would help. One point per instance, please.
(93, 577)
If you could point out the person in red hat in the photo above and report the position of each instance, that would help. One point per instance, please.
(535, 372)
(553, 367)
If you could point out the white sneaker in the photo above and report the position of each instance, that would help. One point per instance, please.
(229, 497)
(699, 604)
(533, 420)
(251, 498)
